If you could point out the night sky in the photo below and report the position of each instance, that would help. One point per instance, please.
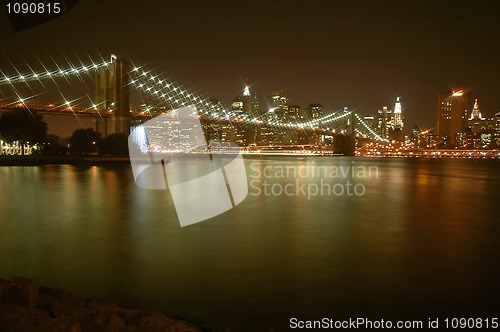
(359, 54)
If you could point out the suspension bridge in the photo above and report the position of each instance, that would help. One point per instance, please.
(113, 82)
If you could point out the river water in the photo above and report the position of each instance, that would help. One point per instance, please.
(335, 237)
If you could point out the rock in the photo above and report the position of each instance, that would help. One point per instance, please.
(17, 318)
(30, 289)
(153, 321)
(115, 324)
(61, 295)
(21, 291)
(93, 322)
(128, 314)
(25, 307)
(3, 284)
(60, 303)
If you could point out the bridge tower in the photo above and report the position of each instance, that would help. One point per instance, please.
(345, 143)
(112, 97)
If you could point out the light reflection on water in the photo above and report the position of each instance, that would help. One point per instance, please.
(421, 242)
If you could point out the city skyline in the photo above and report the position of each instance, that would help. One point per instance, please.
(271, 106)
(359, 55)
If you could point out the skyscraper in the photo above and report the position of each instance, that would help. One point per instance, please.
(384, 121)
(476, 113)
(237, 105)
(316, 111)
(280, 104)
(397, 123)
(480, 132)
(246, 103)
(452, 116)
(293, 112)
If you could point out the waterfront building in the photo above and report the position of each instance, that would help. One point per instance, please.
(497, 130)
(220, 131)
(452, 117)
(481, 131)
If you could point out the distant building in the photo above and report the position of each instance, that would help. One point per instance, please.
(219, 131)
(293, 113)
(384, 122)
(497, 130)
(415, 136)
(315, 111)
(397, 123)
(237, 106)
(476, 113)
(480, 132)
(422, 139)
(452, 116)
(216, 109)
(245, 104)
(269, 135)
(280, 104)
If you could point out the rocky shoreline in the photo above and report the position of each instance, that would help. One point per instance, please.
(26, 307)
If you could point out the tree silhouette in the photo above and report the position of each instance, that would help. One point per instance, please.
(84, 141)
(114, 144)
(55, 146)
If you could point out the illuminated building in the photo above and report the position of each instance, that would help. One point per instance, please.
(293, 112)
(245, 104)
(384, 122)
(497, 130)
(237, 105)
(218, 131)
(315, 111)
(397, 123)
(279, 104)
(476, 113)
(271, 136)
(480, 132)
(422, 139)
(216, 108)
(156, 139)
(452, 116)
(415, 139)
(255, 105)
